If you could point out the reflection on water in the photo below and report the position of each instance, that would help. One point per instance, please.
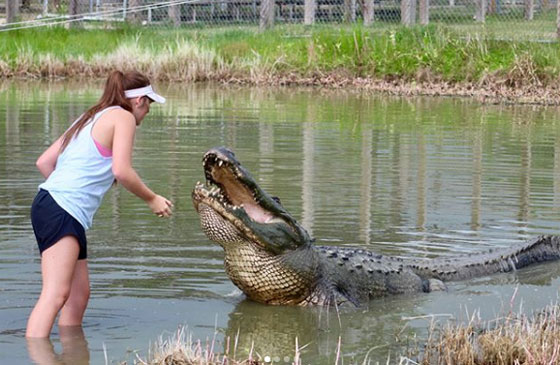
(419, 177)
(74, 348)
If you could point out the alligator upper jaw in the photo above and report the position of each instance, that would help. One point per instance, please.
(230, 186)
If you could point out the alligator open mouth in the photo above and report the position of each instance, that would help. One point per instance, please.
(232, 193)
(230, 186)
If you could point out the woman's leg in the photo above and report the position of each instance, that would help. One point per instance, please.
(73, 310)
(57, 267)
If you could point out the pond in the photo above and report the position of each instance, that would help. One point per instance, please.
(410, 177)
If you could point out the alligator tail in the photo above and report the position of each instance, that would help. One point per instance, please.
(544, 248)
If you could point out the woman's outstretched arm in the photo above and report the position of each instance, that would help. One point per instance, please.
(123, 141)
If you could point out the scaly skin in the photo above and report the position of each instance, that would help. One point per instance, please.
(272, 259)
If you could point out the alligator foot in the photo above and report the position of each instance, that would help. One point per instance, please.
(431, 285)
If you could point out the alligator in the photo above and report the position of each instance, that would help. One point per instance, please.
(274, 260)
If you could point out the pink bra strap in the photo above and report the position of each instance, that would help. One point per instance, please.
(104, 151)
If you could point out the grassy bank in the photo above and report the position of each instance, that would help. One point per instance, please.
(424, 60)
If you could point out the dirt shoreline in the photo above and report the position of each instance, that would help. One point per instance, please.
(492, 90)
(489, 91)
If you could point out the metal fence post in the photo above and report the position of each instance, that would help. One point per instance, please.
(309, 12)
(408, 12)
(424, 12)
(11, 11)
(368, 11)
(73, 12)
(349, 11)
(174, 13)
(480, 11)
(45, 7)
(267, 14)
(529, 9)
(557, 19)
(124, 6)
(133, 16)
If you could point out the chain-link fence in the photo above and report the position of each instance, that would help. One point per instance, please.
(535, 20)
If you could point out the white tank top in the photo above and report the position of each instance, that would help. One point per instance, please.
(82, 176)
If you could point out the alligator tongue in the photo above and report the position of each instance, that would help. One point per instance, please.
(257, 213)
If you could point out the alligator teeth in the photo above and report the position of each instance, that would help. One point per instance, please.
(220, 163)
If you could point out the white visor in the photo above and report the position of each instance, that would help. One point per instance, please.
(144, 91)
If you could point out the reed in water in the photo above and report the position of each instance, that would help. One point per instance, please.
(513, 338)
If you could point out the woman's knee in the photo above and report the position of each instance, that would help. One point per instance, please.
(57, 296)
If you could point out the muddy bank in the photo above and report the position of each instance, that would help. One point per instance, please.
(491, 90)
(494, 90)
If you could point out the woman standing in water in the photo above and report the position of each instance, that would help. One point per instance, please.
(79, 168)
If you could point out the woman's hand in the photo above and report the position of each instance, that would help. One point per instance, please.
(160, 206)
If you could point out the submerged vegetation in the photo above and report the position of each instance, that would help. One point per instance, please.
(419, 60)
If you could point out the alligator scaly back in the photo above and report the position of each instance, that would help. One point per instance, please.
(273, 260)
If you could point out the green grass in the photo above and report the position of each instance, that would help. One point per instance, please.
(383, 51)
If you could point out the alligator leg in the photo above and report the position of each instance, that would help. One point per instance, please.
(431, 285)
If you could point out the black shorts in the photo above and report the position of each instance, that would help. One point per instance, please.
(51, 223)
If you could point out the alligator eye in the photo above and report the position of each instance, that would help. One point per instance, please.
(276, 199)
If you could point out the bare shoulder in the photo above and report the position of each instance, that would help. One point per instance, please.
(118, 117)
(112, 117)
(120, 114)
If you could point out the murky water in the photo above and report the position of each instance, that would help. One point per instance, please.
(418, 177)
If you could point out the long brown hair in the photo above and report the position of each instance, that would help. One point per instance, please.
(116, 84)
